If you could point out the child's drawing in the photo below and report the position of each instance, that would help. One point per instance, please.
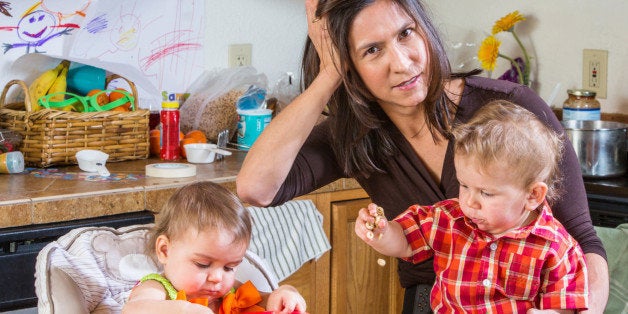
(42, 22)
(4, 8)
(158, 44)
(65, 9)
(35, 29)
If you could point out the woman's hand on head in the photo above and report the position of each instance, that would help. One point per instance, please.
(319, 35)
(286, 299)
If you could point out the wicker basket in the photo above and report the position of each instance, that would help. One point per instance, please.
(53, 137)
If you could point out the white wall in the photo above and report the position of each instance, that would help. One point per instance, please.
(276, 29)
(556, 32)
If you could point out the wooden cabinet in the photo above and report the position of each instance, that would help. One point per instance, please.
(358, 283)
(348, 278)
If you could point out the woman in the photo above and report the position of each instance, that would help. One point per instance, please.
(381, 69)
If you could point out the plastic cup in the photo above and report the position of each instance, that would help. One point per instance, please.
(251, 124)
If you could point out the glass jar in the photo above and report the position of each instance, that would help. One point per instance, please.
(581, 105)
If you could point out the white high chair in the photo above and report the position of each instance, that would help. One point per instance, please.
(93, 269)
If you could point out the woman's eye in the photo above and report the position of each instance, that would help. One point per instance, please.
(484, 193)
(229, 268)
(371, 50)
(405, 33)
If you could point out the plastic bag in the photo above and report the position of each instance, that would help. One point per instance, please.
(211, 106)
(253, 98)
(461, 45)
(283, 92)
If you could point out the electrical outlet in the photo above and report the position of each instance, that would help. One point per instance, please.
(240, 55)
(595, 71)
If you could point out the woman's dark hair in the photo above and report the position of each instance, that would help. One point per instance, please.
(359, 140)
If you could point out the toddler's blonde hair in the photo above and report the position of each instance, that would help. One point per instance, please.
(503, 133)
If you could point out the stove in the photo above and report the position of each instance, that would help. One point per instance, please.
(608, 200)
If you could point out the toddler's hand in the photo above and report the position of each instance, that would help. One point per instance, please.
(285, 299)
(371, 223)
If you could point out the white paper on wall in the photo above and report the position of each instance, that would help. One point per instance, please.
(157, 44)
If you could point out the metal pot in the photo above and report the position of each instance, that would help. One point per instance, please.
(600, 146)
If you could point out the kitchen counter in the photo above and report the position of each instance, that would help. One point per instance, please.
(28, 199)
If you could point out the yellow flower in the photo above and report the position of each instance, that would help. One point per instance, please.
(506, 23)
(488, 53)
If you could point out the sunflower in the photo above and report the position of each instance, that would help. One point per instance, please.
(506, 23)
(489, 49)
(488, 53)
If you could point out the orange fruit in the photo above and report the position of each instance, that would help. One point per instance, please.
(188, 140)
(197, 134)
(119, 108)
(113, 96)
(102, 98)
(155, 142)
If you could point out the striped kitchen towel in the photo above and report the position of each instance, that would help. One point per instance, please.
(288, 235)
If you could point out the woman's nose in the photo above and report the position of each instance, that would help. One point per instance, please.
(400, 59)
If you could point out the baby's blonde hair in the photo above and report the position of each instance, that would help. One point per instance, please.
(502, 131)
(203, 206)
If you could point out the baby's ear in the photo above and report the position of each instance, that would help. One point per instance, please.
(536, 196)
(161, 248)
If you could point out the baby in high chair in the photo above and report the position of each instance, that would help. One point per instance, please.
(200, 237)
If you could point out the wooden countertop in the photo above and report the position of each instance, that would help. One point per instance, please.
(27, 199)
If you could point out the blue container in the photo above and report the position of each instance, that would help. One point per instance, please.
(251, 124)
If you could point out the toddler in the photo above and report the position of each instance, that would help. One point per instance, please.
(497, 248)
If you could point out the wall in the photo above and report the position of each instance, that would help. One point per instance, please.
(555, 33)
(276, 29)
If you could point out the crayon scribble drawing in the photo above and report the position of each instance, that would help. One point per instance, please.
(160, 40)
(5, 8)
(65, 9)
(158, 44)
(44, 21)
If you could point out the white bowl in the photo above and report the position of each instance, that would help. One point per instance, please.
(202, 153)
(91, 160)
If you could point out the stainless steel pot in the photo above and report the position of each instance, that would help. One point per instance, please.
(600, 146)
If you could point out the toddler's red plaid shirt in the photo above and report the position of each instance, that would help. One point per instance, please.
(536, 266)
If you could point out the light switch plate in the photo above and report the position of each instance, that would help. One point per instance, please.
(595, 71)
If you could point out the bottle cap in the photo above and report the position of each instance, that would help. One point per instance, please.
(170, 104)
(581, 92)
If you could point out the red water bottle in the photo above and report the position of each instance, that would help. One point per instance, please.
(169, 117)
